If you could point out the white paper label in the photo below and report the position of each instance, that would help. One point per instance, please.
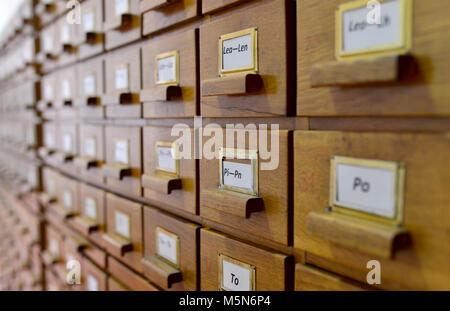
(121, 78)
(65, 34)
(89, 22)
(166, 158)
(67, 143)
(50, 140)
(50, 186)
(48, 91)
(66, 90)
(238, 175)
(359, 34)
(90, 147)
(166, 71)
(121, 6)
(167, 247)
(90, 208)
(237, 53)
(67, 199)
(54, 247)
(121, 151)
(92, 283)
(89, 85)
(31, 178)
(122, 224)
(236, 277)
(366, 189)
(48, 44)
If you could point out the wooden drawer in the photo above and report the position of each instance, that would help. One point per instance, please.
(170, 76)
(122, 22)
(259, 83)
(212, 6)
(394, 82)
(123, 83)
(48, 56)
(91, 38)
(123, 159)
(170, 251)
(68, 144)
(166, 179)
(257, 203)
(68, 202)
(255, 269)
(48, 92)
(124, 278)
(50, 137)
(161, 14)
(54, 247)
(95, 279)
(90, 88)
(91, 153)
(50, 183)
(90, 221)
(123, 237)
(67, 35)
(48, 10)
(308, 278)
(66, 87)
(351, 225)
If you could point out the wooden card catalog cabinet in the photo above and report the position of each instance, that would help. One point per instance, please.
(373, 196)
(169, 76)
(122, 22)
(90, 39)
(169, 178)
(47, 92)
(246, 64)
(50, 184)
(68, 203)
(212, 6)
(359, 62)
(123, 160)
(90, 88)
(245, 192)
(92, 155)
(95, 279)
(161, 14)
(123, 237)
(231, 265)
(123, 83)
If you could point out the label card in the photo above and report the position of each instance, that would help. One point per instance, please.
(54, 247)
(90, 147)
(166, 157)
(89, 21)
(368, 186)
(121, 77)
(65, 34)
(359, 30)
(48, 44)
(67, 143)
(89, 85)
(90, 208)
(121, 151)
(92, 283)
(66, 89)
(238, 51)
(167, 68)
(238, 175)
(67, 199)
(49, 140)
(121, 6)
(122, 224)
(50, 186)
(48, 91)
(235, 275)
(167, 245)
(239, 170)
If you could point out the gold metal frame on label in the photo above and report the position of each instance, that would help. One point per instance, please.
(177, 241)
(128, 220)
(177, 68)
(95, 206)
(128, 150)
(175, 155)
(238, 263)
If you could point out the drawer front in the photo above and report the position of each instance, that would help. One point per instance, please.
(158, 15)
(257, 78)
(122, 22)
(90, 39)
(66, 87)
(67, 39)
(216, 5)
(95, 279)
(407, 86)
(123, 83)
(169, 76)
(123, 159)
(50, 136)
(68, 198)
(254, 200)
(90, 88)
(356, 228)
(308, 278)
(123, 238)
(49, 46)
(48, 92)
(227, 264)
(125, 279)
(54, 246)
(167, 180)
(50, 180)
(68, 139)
(91, 153)
(170, 251)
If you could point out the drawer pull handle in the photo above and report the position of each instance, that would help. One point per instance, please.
(118, 243)
(93, 38)
(63, 212)
(46, 199)
(232, 85)
(148, 5)
(69, 48)
(51, 56)
(381, 69)
(86, 163)
(362, 235)
(128, 98)
(42, 105)
(233, 203)
(117, 171)
(124, 23)
(86, 225)
(67, 103)
(161, 93)
(161, 272)
(45, 152)
(77, 243)
(63, 157)
(160, 182)
(49, 259)
(93, 101)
